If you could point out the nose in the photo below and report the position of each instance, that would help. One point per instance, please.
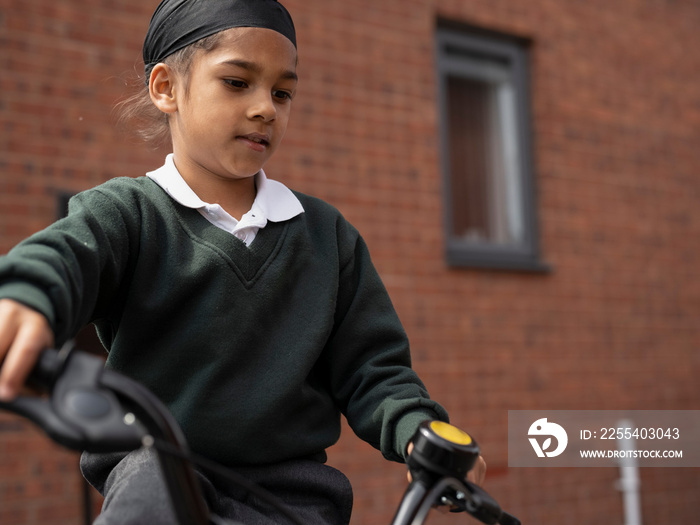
(262, 107)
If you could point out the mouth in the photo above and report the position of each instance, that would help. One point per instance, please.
(256, 141)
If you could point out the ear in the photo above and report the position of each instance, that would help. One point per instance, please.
(161, 87)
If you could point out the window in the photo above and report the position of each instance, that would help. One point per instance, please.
(486, 152)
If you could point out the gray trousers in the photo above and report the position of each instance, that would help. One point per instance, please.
(135, 492)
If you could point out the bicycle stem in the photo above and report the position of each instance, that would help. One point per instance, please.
(179, 476)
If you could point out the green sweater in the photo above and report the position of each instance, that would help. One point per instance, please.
(255, 350)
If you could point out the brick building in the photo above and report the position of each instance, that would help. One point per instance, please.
(570, 286)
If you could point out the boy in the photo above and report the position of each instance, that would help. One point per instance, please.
(252, 311)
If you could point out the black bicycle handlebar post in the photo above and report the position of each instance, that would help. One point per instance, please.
(410, 504)
(181, 480)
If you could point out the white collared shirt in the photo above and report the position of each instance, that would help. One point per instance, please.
(273, 202)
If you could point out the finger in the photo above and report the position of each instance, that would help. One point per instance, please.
(478, 472)
(33, 336)
(7, 326)
(18, 364)
(8, 332)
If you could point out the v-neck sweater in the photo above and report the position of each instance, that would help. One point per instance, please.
(256, 350)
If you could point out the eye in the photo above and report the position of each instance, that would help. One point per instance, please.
(282, 95)
(240, 84)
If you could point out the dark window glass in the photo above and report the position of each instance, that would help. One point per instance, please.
(490, 214)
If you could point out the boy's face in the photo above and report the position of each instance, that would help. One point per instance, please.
(233, 112)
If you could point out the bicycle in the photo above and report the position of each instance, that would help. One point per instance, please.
(95, 409)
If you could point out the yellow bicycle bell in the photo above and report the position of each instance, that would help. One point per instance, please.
(442, 449)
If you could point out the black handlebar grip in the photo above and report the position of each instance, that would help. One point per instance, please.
(46, 370)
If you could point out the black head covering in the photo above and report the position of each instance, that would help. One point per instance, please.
(178, 23)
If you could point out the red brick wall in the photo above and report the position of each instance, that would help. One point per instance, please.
(616, 121)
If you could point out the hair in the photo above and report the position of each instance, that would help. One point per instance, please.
(137, 114)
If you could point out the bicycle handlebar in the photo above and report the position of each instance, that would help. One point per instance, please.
(79, 414)
(441, 457)
(93, 409)
(96, 410)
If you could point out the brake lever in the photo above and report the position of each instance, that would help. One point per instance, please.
(79, 413)
(478, 503)
(39, 412)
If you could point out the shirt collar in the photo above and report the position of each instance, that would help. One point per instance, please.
(273, 201)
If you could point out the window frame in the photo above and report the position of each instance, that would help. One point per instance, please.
(484, 254)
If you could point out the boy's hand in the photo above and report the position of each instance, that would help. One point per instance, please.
(476, 475)
(478, 472)
(24, 333)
